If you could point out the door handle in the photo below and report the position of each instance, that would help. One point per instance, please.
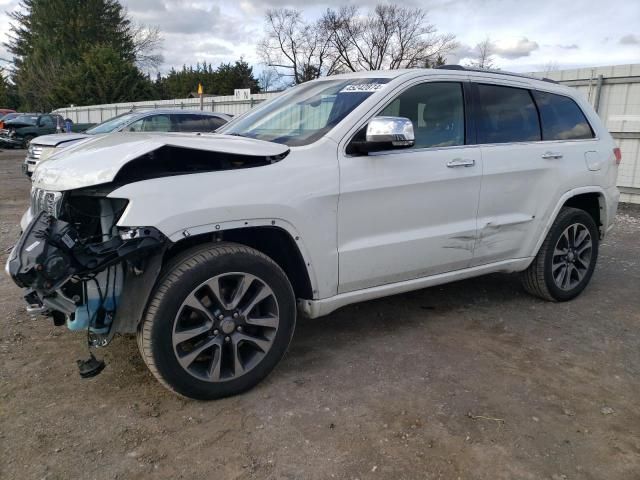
(551, 155)
(461, 162)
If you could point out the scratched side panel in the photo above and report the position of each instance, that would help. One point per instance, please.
(406, 215)
(520, 190)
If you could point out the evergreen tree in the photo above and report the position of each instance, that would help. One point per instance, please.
(103, 76)
(221, 81)
(55, 42)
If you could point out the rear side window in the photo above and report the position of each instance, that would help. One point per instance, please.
(561, 118)
(196, 123)
(507, 114)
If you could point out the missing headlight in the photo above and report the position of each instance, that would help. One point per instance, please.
(94, 217)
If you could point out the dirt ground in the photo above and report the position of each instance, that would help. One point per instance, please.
(473, 380)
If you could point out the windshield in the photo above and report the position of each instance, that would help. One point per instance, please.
(8, 116)
(307, 112)
(28, 119)
(112, 124)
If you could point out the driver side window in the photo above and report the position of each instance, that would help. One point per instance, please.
(436, 110)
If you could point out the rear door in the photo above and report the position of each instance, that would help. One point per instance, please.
(528, 165)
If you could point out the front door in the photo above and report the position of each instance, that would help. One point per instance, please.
(405, 214)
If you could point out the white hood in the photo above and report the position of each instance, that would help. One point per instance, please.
(59, 139)
(99, 159)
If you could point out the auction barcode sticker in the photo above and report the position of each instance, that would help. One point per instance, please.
(362, 87)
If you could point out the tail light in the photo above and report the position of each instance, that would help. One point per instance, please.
(618, 154)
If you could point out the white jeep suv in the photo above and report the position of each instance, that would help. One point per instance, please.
(340, 190)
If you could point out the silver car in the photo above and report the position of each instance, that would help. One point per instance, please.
(157, 120)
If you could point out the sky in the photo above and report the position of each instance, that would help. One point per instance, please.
(527, 36)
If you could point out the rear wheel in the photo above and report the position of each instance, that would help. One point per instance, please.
(565, 263)
(219, 321)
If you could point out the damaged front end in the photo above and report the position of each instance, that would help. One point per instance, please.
(81, 269)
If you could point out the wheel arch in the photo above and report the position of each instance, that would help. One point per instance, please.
(271, 238)
(591, 199)
(593, 203)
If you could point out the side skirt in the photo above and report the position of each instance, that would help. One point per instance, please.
(319, 308)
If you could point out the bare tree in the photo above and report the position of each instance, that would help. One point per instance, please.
(147, 41)
(547, 68)
(298, 49)
(389, 37)
(484, 55)
(268, 79)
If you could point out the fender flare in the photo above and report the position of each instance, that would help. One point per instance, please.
(563, 199)
(217, 227)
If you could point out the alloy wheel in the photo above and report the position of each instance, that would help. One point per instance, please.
(225, 327)
(572, 256)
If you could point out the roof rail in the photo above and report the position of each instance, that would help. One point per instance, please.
(488, 70)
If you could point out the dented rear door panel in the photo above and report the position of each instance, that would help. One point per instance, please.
(520, 190)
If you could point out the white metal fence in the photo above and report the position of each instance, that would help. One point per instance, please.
(222, 104)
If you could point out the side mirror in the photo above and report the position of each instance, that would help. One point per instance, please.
(396, 131)
(383, 133)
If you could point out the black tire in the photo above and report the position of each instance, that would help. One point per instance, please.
(539, 280)
(27, 140)
(167, 269)
(186, 274)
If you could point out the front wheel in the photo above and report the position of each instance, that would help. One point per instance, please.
(219, 321)
(565, 263)
(26, 141)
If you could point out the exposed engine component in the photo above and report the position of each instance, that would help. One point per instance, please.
(51, 251)
(73, 260)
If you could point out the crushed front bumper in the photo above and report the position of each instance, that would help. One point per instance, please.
(81, 283)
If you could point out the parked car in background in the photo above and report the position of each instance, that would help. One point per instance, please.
(340, 190)
(19, 131)
(4, 111)
(157, 120)
(8, 116)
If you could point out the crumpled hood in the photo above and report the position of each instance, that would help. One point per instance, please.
(58, 139)
(98, 160)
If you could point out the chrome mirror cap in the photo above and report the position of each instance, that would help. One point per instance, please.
(395, 130)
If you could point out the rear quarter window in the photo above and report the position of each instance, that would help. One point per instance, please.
(561, 118)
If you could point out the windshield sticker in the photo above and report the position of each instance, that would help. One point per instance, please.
(362, 87)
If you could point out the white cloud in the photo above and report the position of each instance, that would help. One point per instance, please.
(223, 30)
(512, 49)
(630, 40)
